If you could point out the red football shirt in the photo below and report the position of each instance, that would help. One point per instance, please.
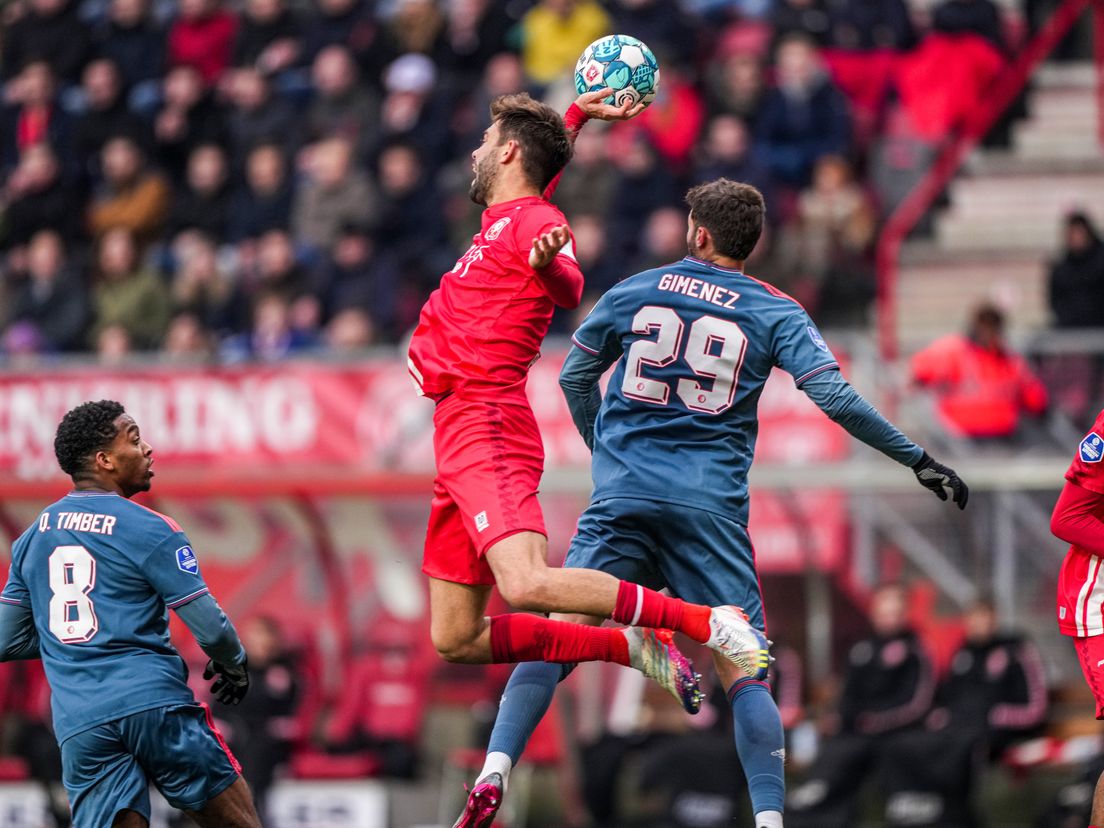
(1081, 582)
(479, 332)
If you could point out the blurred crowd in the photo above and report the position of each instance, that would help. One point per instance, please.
(216, 180)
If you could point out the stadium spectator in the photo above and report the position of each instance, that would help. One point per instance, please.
(826, 247)
(333, 194)
(643, 184)
(803, 117)
(187, 341)
(979, 17)
(202, 36)
(554, 34)
(132, 197)
(888, 689)
(664, 26)
(871, 25)
(808, 17)
(663, 239)
(726, 152)
(105, 115)
(673, 121)
(51, 297)
(736, 86)
(276, 270)
(358, 275)
(35, 197)
(269, 37)
(476, 32)
(592, 251)
(412, 112)
(409, 226)
(417, 26)
(187, 118)
(203, 203)
(983, 389)
(263, 202)
(258, 116)
(49, 31)
(350, 331)
(262, 725)
(343, 107)
(271, 337)
(203, 287)
(1076, 284)
(127, 295)
(36, 117)
(114, 346)
(349, 23)
(996, 688)
(131, 39)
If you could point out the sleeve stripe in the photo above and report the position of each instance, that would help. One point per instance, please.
(814, 372)
(12, 601)
(179, 602)
(586, 348)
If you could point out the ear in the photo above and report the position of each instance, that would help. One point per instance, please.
(104, 460)
(508, 151)
(702, 239)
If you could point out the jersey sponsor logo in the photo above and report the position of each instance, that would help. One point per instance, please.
(495, 230)
(186, 560)
(818, 340)
(1092, 448)
(482, 524)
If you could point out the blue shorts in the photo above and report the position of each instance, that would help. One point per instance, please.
(700, 556)
(108, 768)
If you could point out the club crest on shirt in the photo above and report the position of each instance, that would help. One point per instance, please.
(186, 560)
(818, 340)
(496, 229)
(1092, 448)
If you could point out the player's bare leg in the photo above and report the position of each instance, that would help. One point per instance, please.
(1098, 803)
(458, 626)
(129, 819)
(233, 808)
(527, 582)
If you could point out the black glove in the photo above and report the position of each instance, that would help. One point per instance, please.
(231, 681)
(937, 478)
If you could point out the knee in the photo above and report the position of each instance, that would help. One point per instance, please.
(525, 589)
(454, 646)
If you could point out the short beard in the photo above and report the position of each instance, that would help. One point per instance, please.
(485, 174)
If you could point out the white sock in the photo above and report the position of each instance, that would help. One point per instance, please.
(768, 819)
(500, 763)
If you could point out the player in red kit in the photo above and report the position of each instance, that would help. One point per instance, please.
(1079, 519)
(477, 336)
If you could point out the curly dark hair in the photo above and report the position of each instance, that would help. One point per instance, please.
(538, 129)
(83, 431)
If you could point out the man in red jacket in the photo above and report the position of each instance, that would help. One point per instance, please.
(983, 387)
(1079, 519)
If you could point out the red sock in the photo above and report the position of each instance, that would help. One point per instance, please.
(522, 637)
(638, 606)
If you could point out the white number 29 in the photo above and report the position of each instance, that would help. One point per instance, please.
(714, 350)
(72, 613)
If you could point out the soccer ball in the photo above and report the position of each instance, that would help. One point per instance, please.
(621, 63)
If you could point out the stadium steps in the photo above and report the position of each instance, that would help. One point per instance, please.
(1003, 221)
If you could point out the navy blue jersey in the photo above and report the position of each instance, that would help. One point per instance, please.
(696, 344)
(99, 573)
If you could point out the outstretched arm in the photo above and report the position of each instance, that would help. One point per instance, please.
(579, 379)
(844, 405)
(586, 106)
(18, 636)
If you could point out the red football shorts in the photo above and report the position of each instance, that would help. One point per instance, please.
(1090, 652)
(489, 463)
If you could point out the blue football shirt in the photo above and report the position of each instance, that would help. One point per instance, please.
(100, 573)
(696, 344)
